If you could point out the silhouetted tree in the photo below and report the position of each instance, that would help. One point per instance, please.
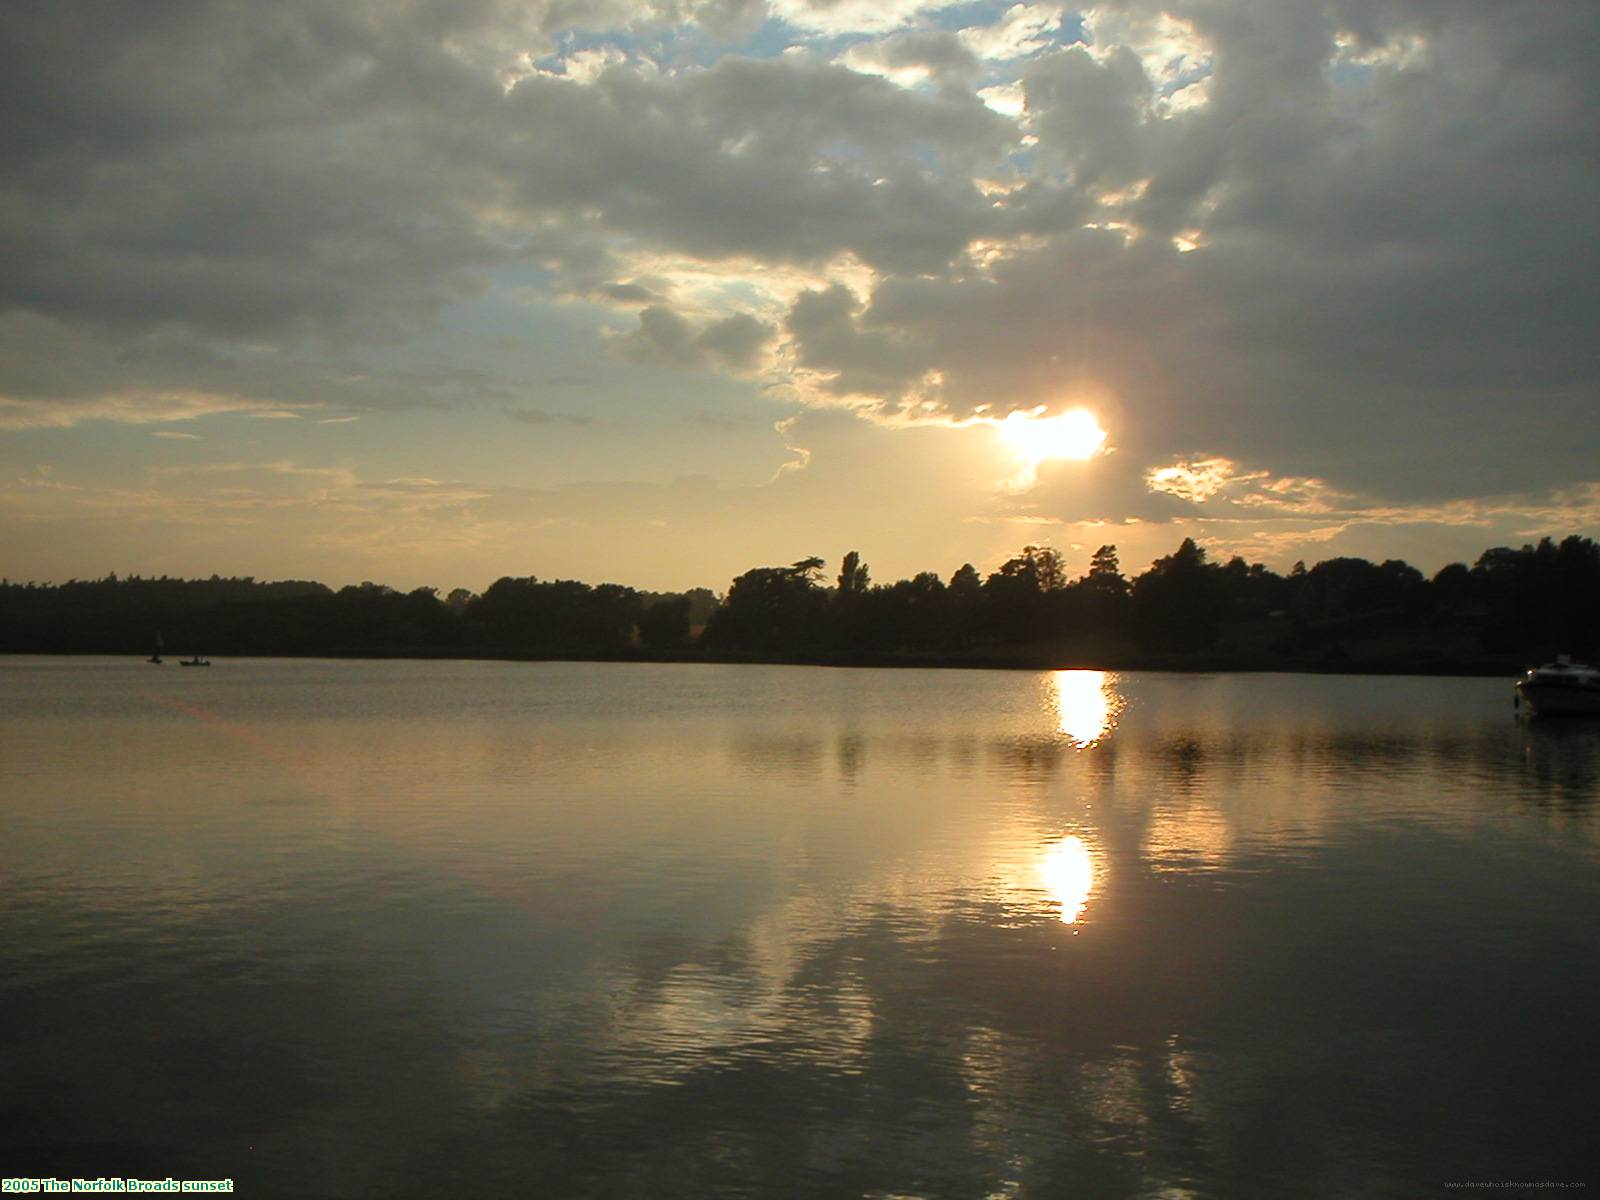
(1105, 574)
(809, 569)
(1175, 602)
(702, 603)
(911, 614)
(964, 602)
(1015, 595)
(1040, 566)
(771, 608)
(1098, 602)
(1537, 600)
(665, 624)
(1247, 591)
(1541, 599)
(1353, 587)
(853, 575)
(550, 617)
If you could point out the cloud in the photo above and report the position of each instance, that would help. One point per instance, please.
(790, 159)
(832, 337)
(196, 169)
(1021, 30)
(538, 416)
(730, 19)
(1195, 482)
(133, 408)
(347, 175)
(1111, 489)
(834, 17)
(1090, 114)
(1381, 270)
(664, 337)
(275, 468)
(627, 293)
(915, 56)
(736, 341)
(1389, 284)
(58, 374)
(1176, 56)
(1008, 99)
(1029, 329)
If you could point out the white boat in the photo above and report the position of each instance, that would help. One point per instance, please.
(1561, 688)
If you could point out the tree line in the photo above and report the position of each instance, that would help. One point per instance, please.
(1535, 601)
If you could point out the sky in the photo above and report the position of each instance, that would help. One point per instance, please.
(429, 292)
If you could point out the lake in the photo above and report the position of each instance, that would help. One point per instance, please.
(335, 928)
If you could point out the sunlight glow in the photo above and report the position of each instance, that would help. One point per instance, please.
(1075, 434)
(1087, 704)
(1067, 870)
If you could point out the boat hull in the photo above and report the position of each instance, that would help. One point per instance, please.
(1560, 699)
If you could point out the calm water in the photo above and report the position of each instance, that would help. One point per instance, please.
(391, 929)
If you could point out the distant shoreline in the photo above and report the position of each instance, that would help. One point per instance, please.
(1020, 659)
(1513, 609)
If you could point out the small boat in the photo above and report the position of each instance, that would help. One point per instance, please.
(156, 657)
(196, 661)
(1561, 688)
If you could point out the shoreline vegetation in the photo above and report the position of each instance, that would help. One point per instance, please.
(1512, 608)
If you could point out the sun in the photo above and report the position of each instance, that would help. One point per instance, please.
(1075, 434)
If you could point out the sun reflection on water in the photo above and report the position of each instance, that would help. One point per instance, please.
(1087, 704)
(1067, 869)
